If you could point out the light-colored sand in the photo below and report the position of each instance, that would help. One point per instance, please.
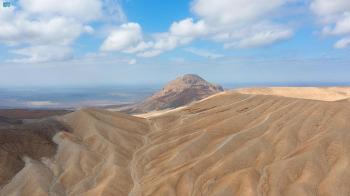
(231, 144)
(92, 160)
(315, 93)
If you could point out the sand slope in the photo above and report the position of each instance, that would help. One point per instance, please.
(315, 93)
(19, 139)
(249, 145)
(229, 144)
(92, 160)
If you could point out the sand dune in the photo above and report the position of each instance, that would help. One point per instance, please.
(93, 159)
(229, 144)
(315, 93)
(19, 140)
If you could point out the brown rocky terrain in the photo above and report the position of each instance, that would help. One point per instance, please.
(227, 144)
(24, 133)
(179, 92)
(30, 113)
(8, 121)
(20, 140)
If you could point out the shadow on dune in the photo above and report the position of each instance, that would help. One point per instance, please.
(19, 139)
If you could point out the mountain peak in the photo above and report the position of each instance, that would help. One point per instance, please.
(179, 92)
(191, 77)
(190, 81)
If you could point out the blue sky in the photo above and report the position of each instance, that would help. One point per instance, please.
(111, 42)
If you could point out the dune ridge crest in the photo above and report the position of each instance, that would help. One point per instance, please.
(314, 93)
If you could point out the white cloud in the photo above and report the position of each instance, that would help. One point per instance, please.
(341, 27)
(188, 28)
(43, 53)
(113, 11)
(257, 35)
(141, 46)
(128, 38)
(335, 16)
(234, 11)
(264, 38)
(342, 43)
(168, 41)
(89, 29)
(56, 30)
(84, 10)
(329, 8)
(125, 37)
(204, 53)
(234, 23)
(53, 23)
(47, 21)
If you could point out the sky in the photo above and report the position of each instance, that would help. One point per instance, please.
(134, 42)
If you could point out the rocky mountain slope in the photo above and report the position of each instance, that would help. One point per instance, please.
(179, 92)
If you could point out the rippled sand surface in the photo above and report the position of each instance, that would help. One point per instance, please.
(229, 144)
(315, 93)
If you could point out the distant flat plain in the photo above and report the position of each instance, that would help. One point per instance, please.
(100, 96)
(71, 97)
